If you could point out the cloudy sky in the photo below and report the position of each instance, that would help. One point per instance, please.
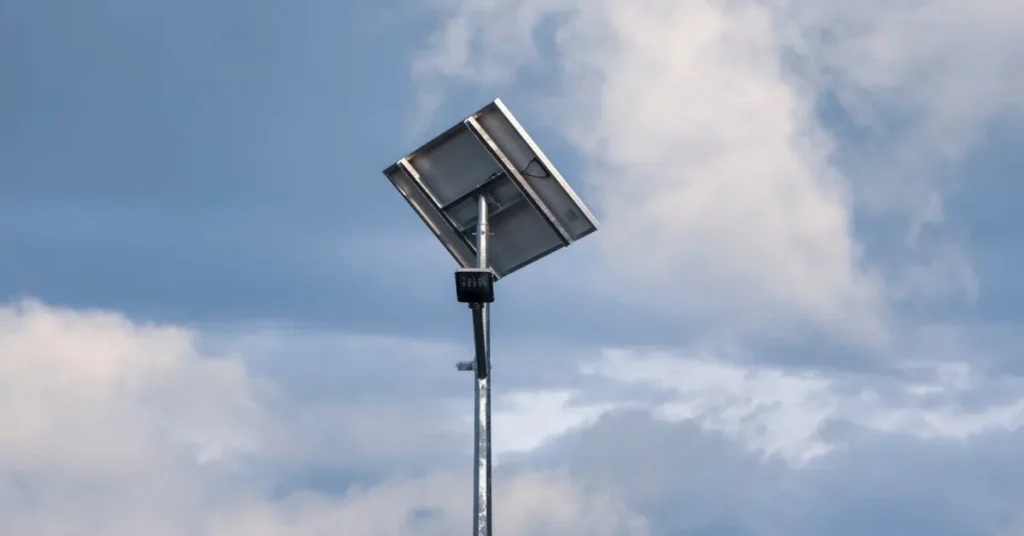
(802, 315)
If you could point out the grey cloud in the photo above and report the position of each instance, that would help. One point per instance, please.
(693, 482)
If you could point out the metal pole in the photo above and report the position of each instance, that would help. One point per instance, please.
(482, 366)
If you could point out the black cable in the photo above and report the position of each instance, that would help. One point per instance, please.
(537, 161)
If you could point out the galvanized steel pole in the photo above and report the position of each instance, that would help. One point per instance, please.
(482, 367)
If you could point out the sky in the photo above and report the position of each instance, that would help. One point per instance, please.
(802, 314)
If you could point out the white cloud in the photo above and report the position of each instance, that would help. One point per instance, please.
(530, 505)
(92, 393)
(698, 124)
(120, 428)
(783, 413)
(950, 66)
(112, 427)
(529, 419)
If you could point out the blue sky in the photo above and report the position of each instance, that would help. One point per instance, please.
(800, 315)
